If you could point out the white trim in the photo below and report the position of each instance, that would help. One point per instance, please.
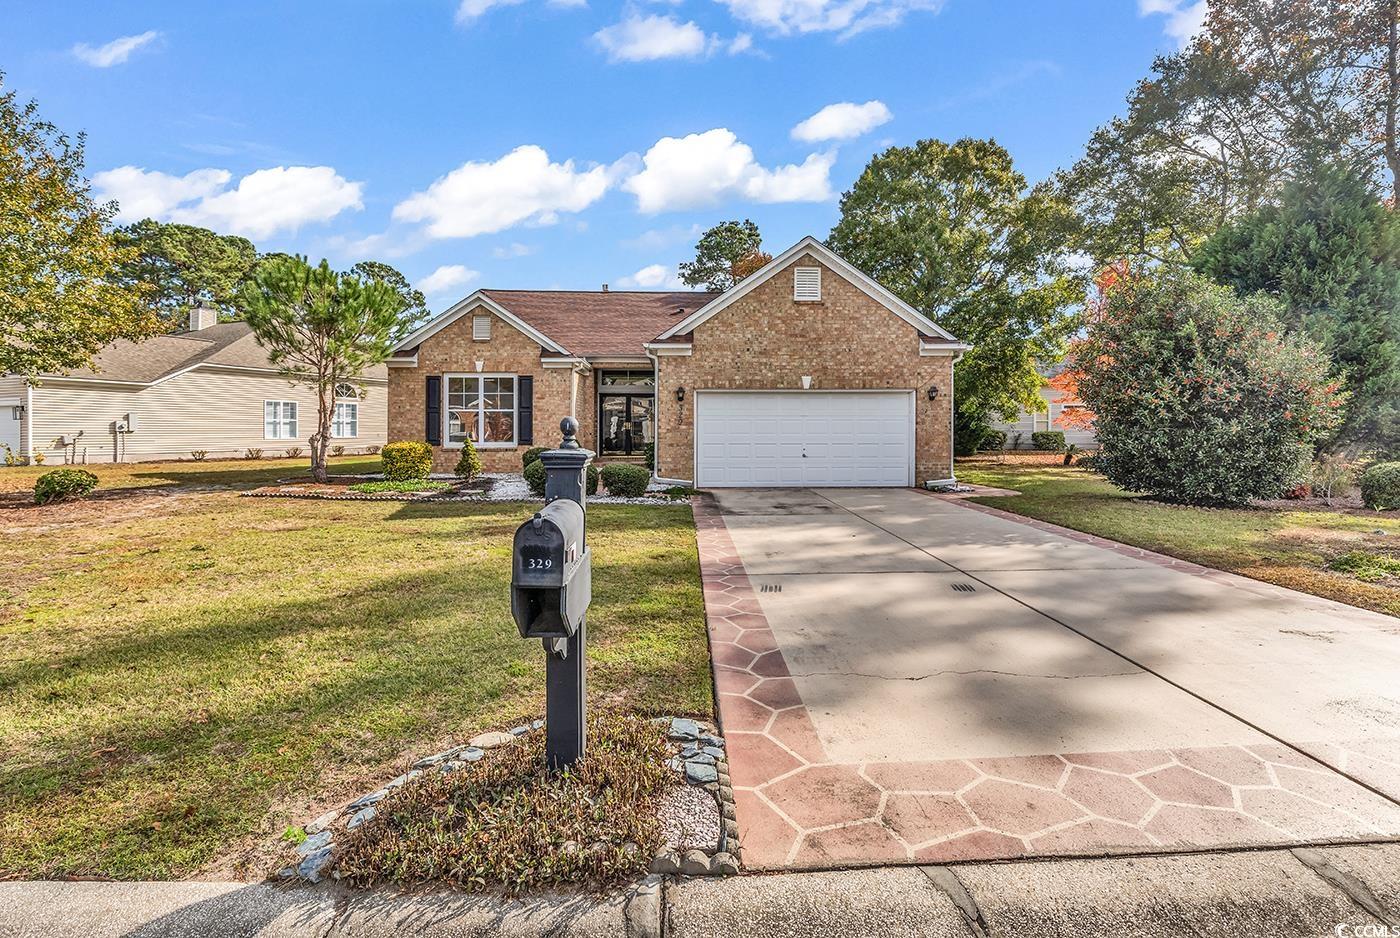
(294, 378)
(934, 349)
(475, 301)
(28, 419)
(335, 410)
(913, 420)
(667, 348)
(402, 362)
(296, 419)
(515, 408)
(809, 244)
(573, 362)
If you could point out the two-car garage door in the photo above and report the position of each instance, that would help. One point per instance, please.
(801, 438)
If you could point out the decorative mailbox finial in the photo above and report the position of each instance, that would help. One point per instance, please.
(570, 427)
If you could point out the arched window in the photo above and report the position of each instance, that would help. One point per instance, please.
(347, 391)
(345, 422)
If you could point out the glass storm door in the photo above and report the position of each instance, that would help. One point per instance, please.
(624, 423)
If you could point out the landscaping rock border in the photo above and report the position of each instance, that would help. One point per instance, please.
(699, 758)
(505, 487)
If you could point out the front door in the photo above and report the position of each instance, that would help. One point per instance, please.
(624, 423)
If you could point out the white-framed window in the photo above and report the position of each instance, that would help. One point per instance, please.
(345, 391)
(807, 284)
(480, 408)
(345, 422)
(280, 420)
(481, 328)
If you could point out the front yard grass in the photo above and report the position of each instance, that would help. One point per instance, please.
(181, 683)
(1297, 549)
(227, 473)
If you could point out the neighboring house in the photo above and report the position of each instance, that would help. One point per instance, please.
(807, 372)
(211, 388)
(1018, 432)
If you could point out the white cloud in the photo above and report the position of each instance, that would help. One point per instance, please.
(282, 198)
(701, 169)
(740, 43)
(511, 251)
(446, 278)
(847, 17)
(469, 10)
(647, 38)
(654, 277)
(1184, 18)
(842, 121)
(657, 239)
(522, 186)
(115, 52)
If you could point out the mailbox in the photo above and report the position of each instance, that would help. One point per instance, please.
(551, 573)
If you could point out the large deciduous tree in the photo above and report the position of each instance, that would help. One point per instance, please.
(185, 266)
(415, 305)
(724, 255)
(58, 303)
(1266, 90)
(1330, 253)
(321, 328)
(956, 233)
(1199, 395)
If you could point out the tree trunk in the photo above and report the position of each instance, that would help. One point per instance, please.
(320, 442)
(1392, 96)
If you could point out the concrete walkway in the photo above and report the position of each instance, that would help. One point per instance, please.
(909, 679)
(1280, 892)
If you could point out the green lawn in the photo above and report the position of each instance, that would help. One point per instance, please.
(181, 678)
(1290, 548)
(232, 473)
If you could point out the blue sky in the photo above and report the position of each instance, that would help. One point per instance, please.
(556, 143)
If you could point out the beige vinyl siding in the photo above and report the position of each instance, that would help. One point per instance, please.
(218, 410)
(1028, 423)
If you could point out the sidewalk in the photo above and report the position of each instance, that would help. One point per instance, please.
(1281, 892)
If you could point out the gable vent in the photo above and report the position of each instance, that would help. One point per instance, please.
(481, 328)
(807, 283)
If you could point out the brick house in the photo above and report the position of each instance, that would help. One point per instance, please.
(807, 372)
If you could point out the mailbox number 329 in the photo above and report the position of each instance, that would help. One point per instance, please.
(538, 563)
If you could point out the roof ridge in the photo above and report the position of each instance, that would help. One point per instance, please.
(591, 292)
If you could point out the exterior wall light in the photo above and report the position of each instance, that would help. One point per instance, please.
(932, 392)
(680, 394)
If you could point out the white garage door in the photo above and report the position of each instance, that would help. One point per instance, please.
(797, 438)
(9, 426)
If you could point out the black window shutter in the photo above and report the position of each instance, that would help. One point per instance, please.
(432, 410)
(525, 409)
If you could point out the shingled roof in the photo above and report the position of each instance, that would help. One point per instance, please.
(595, 323)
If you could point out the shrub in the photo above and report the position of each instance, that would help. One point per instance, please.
(969, 430)
(1367, 566)
(530, 455)
(338, 450)
(199, 455)
(995, 439)
(1016, 440)
(469, 463)
(252, 452)
(649, 456)
(625, 481)
(535, 475)
(63, 484)
(1380, 486)
(1332, 475)
(39, 459)
(406, 459)
(1298, 492)
(294, 451)
(371, 451)
(1051, 440)
(1071, 451)
(1200, 396)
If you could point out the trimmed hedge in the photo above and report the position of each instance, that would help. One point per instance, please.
(63, 484)
(530, 455)
(535, 475)
(1052, 440)
(1380, 486)
(406, 459)
(625, 481)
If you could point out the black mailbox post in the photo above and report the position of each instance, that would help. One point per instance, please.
(551, 588)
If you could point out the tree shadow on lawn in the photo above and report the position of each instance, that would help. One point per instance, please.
(165, 785)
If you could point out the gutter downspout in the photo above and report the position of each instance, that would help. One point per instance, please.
(28, 420)
(952, 416)
(656, 421)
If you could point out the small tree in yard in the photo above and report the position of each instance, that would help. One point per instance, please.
(1197, 394)
(321, 328)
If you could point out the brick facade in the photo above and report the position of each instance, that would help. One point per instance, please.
(767, 340)
(508, 351)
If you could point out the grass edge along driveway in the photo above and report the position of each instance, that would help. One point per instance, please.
(199, 674)
(1287, 548)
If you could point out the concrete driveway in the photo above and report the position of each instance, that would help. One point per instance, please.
(909, 678)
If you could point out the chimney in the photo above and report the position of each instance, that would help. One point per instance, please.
(605, 288)
(202, 317)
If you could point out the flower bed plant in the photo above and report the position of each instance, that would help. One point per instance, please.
(399, 485)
